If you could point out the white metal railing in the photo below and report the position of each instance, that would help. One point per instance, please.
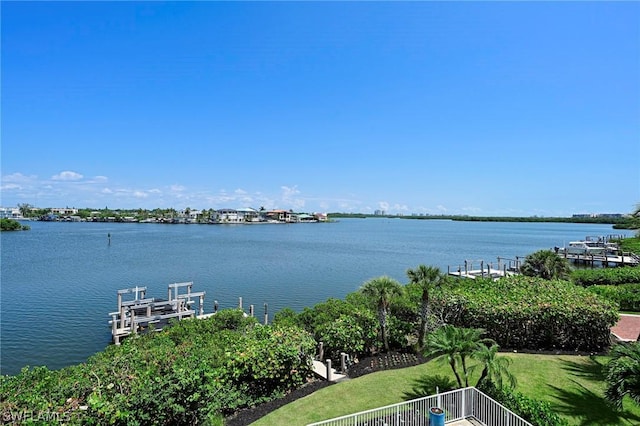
(457, 404)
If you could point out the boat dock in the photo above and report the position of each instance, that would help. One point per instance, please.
(479, 269)
(606, 260)
(140, 314)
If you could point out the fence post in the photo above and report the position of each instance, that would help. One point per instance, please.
(329, 370)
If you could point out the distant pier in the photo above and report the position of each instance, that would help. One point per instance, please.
(480, 269)
(140, 314)
(606, 260)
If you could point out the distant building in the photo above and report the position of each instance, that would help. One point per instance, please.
(10, 213)
(379, 213)
(64, 211)
(595, 215)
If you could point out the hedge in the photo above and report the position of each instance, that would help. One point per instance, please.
(627, 296)
(192, 373)
(531, 313)
(536, 412)
(606, 276)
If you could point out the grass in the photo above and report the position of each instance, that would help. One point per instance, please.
(573, 385)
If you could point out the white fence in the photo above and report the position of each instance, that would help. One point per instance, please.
(458, 405)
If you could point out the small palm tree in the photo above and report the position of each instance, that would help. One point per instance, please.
(456, 345)
(427, 278)
(471, 342)
(381, 290)
(546, 264)
(494, 367)
(623, 374)
(444, 343)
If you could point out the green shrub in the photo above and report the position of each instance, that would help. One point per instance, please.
(538, 413)
(192, 372)
(606, 276)
(627, 296)
(531, 313)
(7, 224)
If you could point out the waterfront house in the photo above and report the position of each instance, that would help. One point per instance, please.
(227, 216)
(279, 215)
(10, 213)
(249, 215)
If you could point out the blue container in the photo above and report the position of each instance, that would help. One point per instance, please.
(436, 416)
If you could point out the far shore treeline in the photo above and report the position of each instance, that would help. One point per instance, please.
(618, 222)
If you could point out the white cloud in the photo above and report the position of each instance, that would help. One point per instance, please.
(67, 176)
(288, 197)
(288, 192)
(177, 188)
(107, 191)
(19, 177)
(441, 208)
(140, 194)
(400, 207)
(383, 205)
(10, 186)
(240, 191)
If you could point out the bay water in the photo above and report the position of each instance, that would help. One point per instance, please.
(59, 280)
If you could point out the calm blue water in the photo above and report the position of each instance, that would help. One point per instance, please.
(59, 280)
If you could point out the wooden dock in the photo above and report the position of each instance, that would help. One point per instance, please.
(606, 260)
(480, 269)
(140, 314)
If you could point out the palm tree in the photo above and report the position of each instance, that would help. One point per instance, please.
(546, 264)
(623, 374)
(381, 290)
(456, 344)
(494, 367)
(444, 343)
(426, 278)
(471, 342)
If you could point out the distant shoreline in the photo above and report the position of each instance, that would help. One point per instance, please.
(601, 220)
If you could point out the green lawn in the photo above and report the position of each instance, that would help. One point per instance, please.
(572, 384)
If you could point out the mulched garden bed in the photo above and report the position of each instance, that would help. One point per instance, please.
(385, 361)
(380, 362)
(250, 415)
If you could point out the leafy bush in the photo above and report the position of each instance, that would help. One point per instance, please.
(191, 373)
(606, 276)
(7, 224)
(531, 313)
(539, 413)
(626, 296)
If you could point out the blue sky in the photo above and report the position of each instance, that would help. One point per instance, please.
(496, 108)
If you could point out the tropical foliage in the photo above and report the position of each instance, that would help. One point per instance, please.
(381, 291)
(626, 296)
(12, 225)
(623, 374)
(456, 345)
(495, 368)
(426, 278)
(531, 313)
(606, 276)
(539, 413)
(547, 265)
(194, 372)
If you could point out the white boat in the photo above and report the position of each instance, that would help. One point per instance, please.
(585, 247)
